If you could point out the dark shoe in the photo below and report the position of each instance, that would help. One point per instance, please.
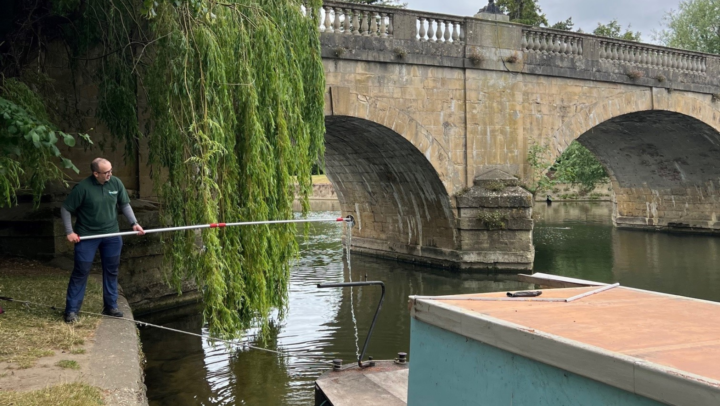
(71, 318)
(115, 312)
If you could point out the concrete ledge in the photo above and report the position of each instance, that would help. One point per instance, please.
(115, 360)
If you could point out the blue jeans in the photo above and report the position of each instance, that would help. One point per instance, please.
(110, 248)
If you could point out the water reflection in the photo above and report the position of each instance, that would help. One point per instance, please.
(579, 240)
(327, 322)
(572, 239)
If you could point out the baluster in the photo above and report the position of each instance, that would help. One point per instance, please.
(373, 24)
(536, 42)
(390, 25)
(383, 26)
(524, 43)
(456, 33)
(347, 29)
(422, 29)
(328, 25)
(553, 46)
(337, 11)
(438, 32)
(356, 22)
(574, 42)
(614, 54)
(673, 60)
(565, 48)
(544, 43)
(461, 29)
(696, 64)
(603, 50)
(365, 26)
(447, 31)
(685, 63)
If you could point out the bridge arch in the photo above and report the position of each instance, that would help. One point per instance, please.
(389, 184)
(662, 152)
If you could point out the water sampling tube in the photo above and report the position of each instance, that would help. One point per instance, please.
(348, 219)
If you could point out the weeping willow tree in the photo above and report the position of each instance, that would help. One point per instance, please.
(235, 90)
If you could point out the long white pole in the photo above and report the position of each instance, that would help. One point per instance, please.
(217, 225)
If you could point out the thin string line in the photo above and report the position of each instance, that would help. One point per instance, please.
(143, 323)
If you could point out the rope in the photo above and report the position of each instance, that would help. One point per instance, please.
(143, 323)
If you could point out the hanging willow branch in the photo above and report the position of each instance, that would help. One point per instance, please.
(236, 95)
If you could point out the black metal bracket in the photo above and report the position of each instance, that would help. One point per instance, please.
(372, 326)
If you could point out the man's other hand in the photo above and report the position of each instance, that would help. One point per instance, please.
(139, 229)
(73, 238)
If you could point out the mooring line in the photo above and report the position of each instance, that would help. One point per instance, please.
(143, 323)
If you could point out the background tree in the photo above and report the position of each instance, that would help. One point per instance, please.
(523, 11)
(614, 30)
(578, 166)
(695, 26)
(566, 25)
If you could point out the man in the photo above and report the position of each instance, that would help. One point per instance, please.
(95, 202)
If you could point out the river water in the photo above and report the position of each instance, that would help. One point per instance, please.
(571, 239)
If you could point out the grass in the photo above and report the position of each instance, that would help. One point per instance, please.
(75, 394)
(67, 364)
(29, 332)
(77, 351)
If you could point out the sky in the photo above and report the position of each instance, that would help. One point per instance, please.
(643, 15)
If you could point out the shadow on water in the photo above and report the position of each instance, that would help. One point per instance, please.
(572, 239)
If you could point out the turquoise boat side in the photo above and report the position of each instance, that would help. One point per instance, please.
(450, 369)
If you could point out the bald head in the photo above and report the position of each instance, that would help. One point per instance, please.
(101, 169)
(95, 164)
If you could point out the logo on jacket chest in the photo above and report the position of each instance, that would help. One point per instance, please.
(113, 192)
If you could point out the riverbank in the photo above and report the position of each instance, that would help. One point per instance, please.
(95, 361)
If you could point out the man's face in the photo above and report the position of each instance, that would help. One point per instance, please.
(104, 172)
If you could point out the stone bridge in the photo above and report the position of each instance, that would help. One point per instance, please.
(430, 116)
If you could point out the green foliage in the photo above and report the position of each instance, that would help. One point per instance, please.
(566, 25)
(236, 91)
(30, 156)
(693, 26)
(523, 11)
(576, 166)
(493, 220)
(495, 186)
(538, 158)
(614, 30)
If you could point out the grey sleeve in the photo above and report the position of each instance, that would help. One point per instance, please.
(129, 215)
(67, 220)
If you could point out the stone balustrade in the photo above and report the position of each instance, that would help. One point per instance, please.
(656, 57)
(433, 28)
(553, 43)
(354, 19)
(387, 34)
